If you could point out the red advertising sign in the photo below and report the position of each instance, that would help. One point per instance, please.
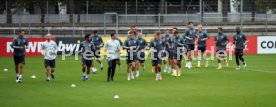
(32, 50)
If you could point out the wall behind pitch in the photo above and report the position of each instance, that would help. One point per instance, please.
(266, 45)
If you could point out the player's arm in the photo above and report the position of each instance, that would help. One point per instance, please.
(226, 41)
(106, 46)
(14, 46)
(206, 37)
(26, 43)
(216, 39)
(101, 41)
(152, 49)
(80, 49)
(125, 46)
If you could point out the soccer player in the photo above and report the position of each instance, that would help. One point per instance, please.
(87, 49)
(177, 46)
(167, 39)
(98, 42)
(189, 36)
(112, 48)
(240, 41)
(221, 40)
(19, 44)
(157, 47)
(202, 38)
(118, 58)
(49, 50)
(142, 43)
(131, 47)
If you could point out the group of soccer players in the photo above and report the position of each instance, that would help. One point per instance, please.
(168, 49)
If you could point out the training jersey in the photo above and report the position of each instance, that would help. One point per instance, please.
(18, 45)
(222, 41)
(189, 36)
(239, 39)
(49, 49)
(97, 41)
(142, 43)
(158, 46)
(202, 38)
(131, 46)
(178, 44)
(167, 39)
(113, 49)
(86, 48)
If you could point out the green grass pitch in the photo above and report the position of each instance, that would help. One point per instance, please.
(254, 86)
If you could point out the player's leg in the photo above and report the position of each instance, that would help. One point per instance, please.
(133, 66)
(16, 63)
(21, 67)
(98, 56)
(118, 62)
(199, 57)
(53, 66)
(113, 69)
(88, 68)
(109, 62)
(128, 70)
(84, 69)
(237, 59)
(205, 58)
(48, 69)
(159, 69)
(137, 63)
(241, 57)
(219, 59)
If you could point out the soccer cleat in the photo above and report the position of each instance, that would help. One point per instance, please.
(128, 76)
(174, 73)
(101, 66)
(178, 73)
(157, 77)
(238, 67)
(137, 74)
(244, 64)
(132, 76)
(226, 64)
(219, 66)
(198, 66)
(53, 76)
(83, 78)
(206, 64)
(160, 77)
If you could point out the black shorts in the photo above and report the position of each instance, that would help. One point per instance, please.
(86, 62)
(118, 60)
(239, 52)
(201, 49)
(190, 47)
(97, 53)
(19, 59)
(178, 57)
(50, 63)
(141, 57)
(156, 61)
(167, 54)
(131, 59)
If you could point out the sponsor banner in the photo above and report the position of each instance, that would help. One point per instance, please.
(33, 49)
(250, 47)
(71, 45)
(266, 45)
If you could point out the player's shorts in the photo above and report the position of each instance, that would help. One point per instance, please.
(239, 52)
(86, 62)
(141, 57)
(201, 49)
(50, 63)
(156, 61)
(167, 54)
(97, 53)
(190, 47)
(178, 57)
(131, 59)
(117, 59)
(19, 59)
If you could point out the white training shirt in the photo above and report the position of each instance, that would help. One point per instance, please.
(49, 49)
(112, 47)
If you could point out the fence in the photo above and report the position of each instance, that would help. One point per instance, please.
(78, 17)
